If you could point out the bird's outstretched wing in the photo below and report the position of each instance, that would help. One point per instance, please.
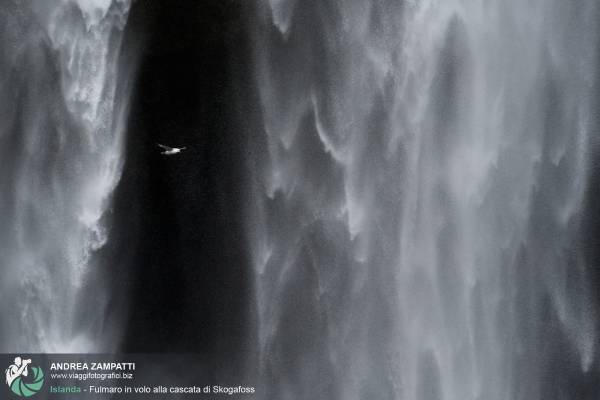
(162, 146)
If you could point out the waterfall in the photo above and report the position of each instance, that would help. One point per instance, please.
(61, 149)
(417, 194)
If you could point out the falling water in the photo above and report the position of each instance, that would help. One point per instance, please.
(61, 140)
(417, 196)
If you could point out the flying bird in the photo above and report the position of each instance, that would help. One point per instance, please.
(169, 151)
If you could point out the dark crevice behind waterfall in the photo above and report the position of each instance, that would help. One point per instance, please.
(177, 246)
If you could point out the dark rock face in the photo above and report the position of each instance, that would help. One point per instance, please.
(177, 248)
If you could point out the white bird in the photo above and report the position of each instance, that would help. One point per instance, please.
(169, 151)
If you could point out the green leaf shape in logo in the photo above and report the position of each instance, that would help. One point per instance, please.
(27, 389)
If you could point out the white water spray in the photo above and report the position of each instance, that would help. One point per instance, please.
(417, 201)
(67, 131)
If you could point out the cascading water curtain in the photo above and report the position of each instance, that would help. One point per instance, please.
(417, 197)
(61, 145)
